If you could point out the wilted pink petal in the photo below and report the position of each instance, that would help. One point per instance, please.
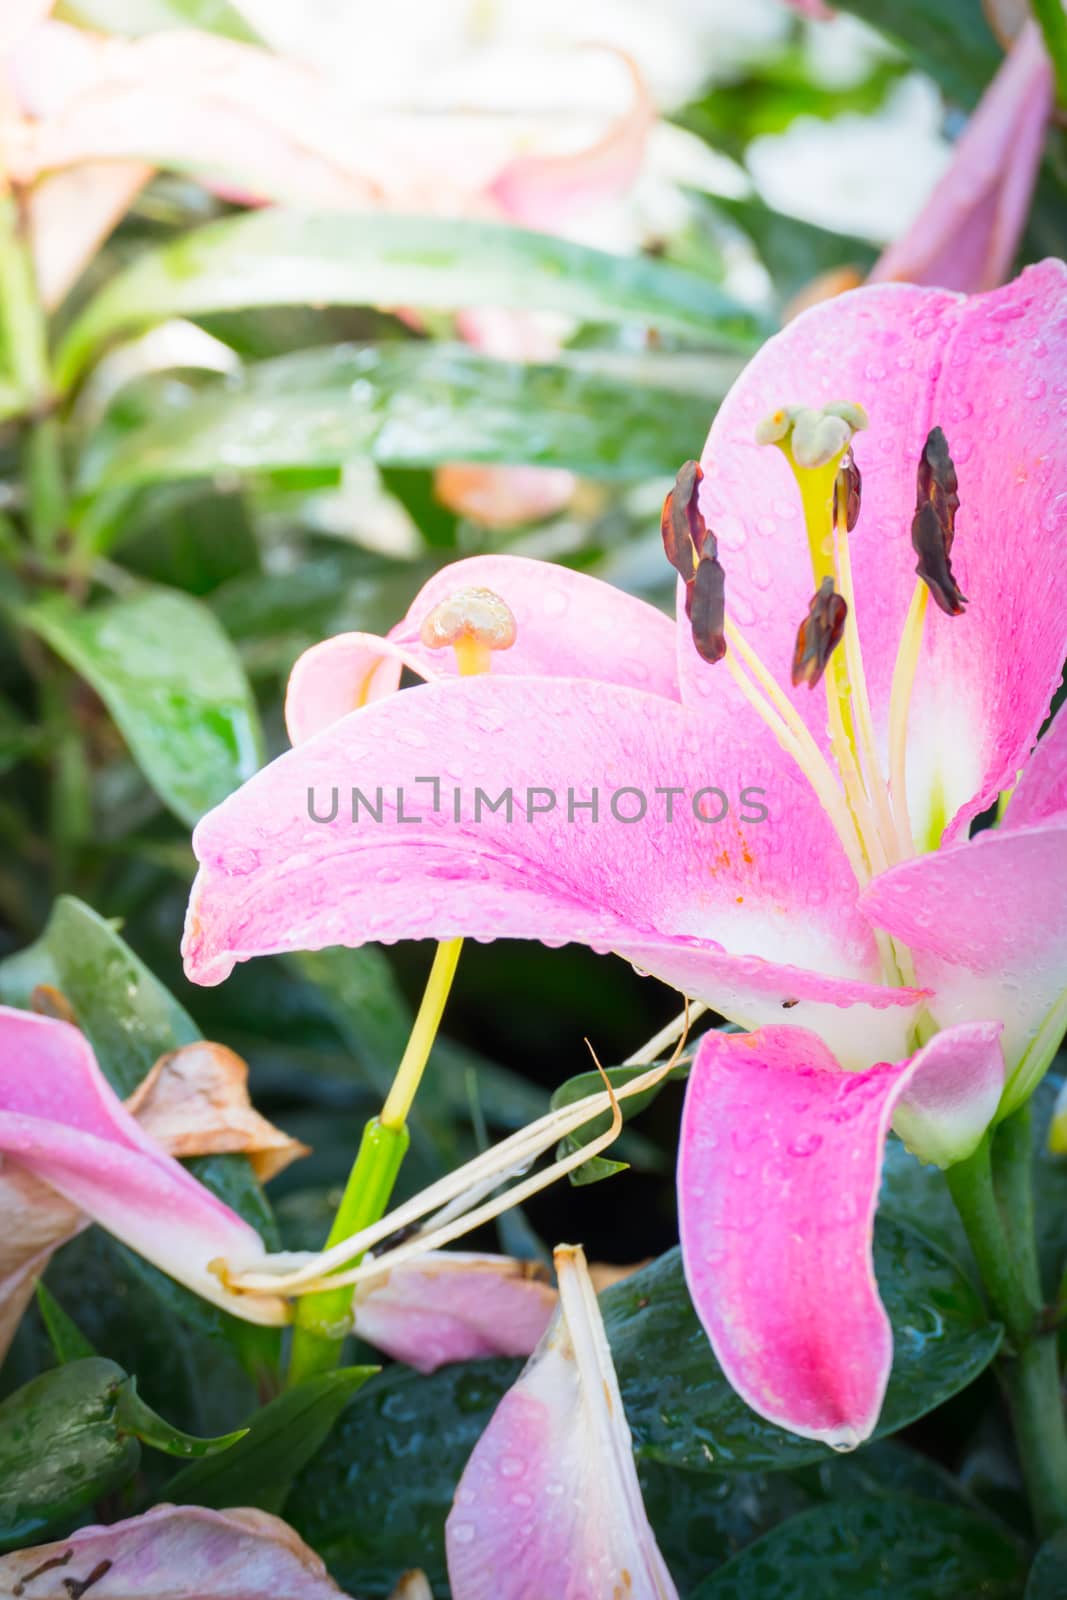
(566, 625)
(913, 358)
(171, 1553)
(987, 920)
(779, 1165)
(549, 1503)
(449, 1306)
(60, 1122)
(542, 190)
(34, 1222)
(967, 235)
(686, 899)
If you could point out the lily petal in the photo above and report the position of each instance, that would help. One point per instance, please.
(172, 1552)
(61, 1122)
(987, 920)
(567, 625)
(549, 1503)
(451, 1306)
(1041, 792)
(988, 370)
(967, 235)
(34, 1222)
(779, 1163)
(657, 891)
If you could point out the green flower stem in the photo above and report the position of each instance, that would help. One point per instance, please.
(993, 1191)
(1052, 20)
(25, 343)
(323, 1319)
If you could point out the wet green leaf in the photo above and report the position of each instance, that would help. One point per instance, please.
(897, 1549)
(412, 404)
(636, 1150)
(134, 1417)
(1048, 1575)
(174, 685)
(61, 1448)
(952, 40)
(278, 257)
(66, 1338)
(280, 1440)
(363, 1507)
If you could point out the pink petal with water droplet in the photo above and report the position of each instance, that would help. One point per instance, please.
(61, 1122)
(549, 1503)
(779, 1166)
(967, 235)
(452, 1306)
(771, 904)
(568, 625)
(989, 370)
(172, 1552)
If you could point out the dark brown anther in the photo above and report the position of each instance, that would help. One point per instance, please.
(819, 635)
(847, 487)
(933, 527)
(705, 605)
(682, 525)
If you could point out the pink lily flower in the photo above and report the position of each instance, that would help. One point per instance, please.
(172, 1552)
(549, 1502)
(73, 1153)
(967, 235)
(858, 908)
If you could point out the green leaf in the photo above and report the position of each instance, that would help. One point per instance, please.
(277, 257)
(587, 1083)
(135, 1417)
(950, 39)
(67, 1339)
(361, 1505)
(897, 1549)
(414, 404)
(137, 17)
(1048, 1575)
(127, 1015)
(279, 1441)
(683, 1411)
(61, 1449)
(174, 685)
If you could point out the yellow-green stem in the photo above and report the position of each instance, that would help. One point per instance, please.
(322, 1320)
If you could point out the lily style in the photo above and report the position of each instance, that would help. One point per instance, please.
(893, 446)
(549, 1502)
(73, 1153)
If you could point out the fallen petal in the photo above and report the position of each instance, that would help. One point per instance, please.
(549, 1502)
(171, 1553)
